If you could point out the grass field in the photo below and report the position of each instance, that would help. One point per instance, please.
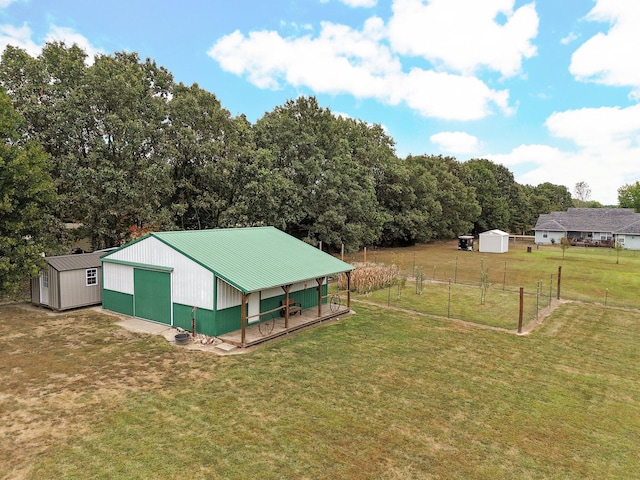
(383, 394)
(598, 275)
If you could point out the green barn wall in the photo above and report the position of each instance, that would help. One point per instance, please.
(307, 298)
(205, 323)
(117, 302)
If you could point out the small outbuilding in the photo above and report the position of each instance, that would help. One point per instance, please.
(221, 280)
(69, 281)
(494, 241)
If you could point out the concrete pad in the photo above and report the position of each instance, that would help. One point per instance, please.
(142, 326)
(226, 347)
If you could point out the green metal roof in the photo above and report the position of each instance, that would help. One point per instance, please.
(253, 259)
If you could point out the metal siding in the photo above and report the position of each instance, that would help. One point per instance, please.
(117, 302)
(118, 278)
(227, 320)
(204, 319)
(54, 289)
(35, 290)
(191, 283)
(228, 296)
(74, 291)
(152, 297)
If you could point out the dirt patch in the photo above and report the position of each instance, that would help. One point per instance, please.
(57, 368)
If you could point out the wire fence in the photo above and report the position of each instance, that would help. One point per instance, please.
(594, 275)
(473, 303)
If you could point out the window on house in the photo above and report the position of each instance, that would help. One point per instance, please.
(545, 234)
(92, 276)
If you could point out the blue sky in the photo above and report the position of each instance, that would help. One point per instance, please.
(549, 88)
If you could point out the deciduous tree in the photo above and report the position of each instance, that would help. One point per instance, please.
(27, 201)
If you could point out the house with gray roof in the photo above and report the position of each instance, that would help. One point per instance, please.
(69, 281)
(597, 227)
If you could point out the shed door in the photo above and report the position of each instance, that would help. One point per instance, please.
(152, 295)
(44, 287)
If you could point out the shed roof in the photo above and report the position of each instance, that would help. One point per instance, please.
(64, 263)
(495, 232)
(253, 259)
(614, 220)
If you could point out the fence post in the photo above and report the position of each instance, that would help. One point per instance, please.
(504, 277)
(559, 280)
(449, 301)
(455, 274)
(521, 310)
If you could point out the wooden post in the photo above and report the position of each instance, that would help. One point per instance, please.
(365, 254)
(320, 280)
(559, 281)
(286, 289)
(320, 245)
(243, 316)
(348, 290)
(521, 310)
(342, 252)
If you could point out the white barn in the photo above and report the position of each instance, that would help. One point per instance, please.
(228, 278)
(494, 241)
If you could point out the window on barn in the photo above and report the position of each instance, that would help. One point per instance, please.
(92, 276)
(45, 278)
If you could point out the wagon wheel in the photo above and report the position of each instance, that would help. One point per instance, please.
(266, 327)
(334, 304)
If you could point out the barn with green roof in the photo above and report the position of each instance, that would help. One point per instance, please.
(222, 280)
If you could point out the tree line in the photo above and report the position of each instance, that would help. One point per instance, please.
(120, 148)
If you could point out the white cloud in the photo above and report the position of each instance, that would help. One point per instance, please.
(608, 148)
(463, 35)
(18, 37)
(343, 60)
(611, 58)
(598, 128)
(569, 38)
(447, 96)
(456, 143)
(339, 60)
(5, 3)
(21, 37)
(360, 3)
(70, 37)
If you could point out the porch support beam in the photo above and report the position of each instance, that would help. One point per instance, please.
(243, 319)
(286, 289)
(320, 281)
(348, 289)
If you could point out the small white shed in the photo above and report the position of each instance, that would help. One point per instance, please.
(494, 241)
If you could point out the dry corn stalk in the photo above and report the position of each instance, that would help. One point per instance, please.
(370, 276)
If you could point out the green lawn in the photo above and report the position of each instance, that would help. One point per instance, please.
(382, 394)
(596, 275)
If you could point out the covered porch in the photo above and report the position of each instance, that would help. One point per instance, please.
(275, 326)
